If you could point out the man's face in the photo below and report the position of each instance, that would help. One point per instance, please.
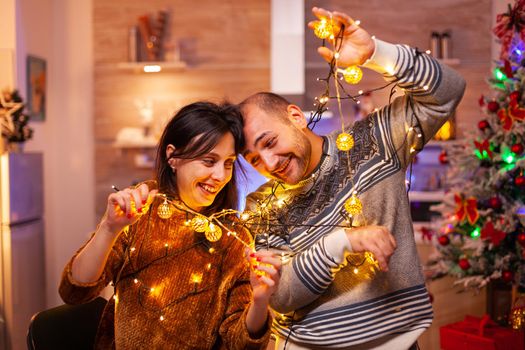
(276, 147)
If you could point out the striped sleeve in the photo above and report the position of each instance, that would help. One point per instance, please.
(306, 275)
(432, 92)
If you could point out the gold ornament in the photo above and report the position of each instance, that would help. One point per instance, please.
(353, 74)
(323, 29)
(165, 211)
(200, 224)
(517, 318)
(353, 205)
(344, 141)
(213, 233)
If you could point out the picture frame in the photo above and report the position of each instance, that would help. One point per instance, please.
(36, 88)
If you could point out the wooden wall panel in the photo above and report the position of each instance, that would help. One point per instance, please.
(226, 46)
(411, 22)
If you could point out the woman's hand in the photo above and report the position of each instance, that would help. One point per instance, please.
(265, 273)
(125, 207)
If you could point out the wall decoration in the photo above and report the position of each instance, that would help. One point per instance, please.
(36, 88)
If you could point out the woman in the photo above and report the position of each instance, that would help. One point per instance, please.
(173, 287)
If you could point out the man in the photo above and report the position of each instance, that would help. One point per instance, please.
(329, 296)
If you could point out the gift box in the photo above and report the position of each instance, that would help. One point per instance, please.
(475, 333)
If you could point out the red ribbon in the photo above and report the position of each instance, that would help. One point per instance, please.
(513, 113)
(466, 209)
(484, 146)
(513, 21)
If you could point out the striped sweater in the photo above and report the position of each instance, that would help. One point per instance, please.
(329, 297)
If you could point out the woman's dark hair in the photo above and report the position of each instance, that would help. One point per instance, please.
(194, 131)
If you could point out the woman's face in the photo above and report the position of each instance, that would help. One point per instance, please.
(199, 180)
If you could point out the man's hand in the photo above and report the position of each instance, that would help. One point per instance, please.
(374, 239)
(357, 45)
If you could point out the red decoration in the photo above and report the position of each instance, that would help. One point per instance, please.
(481, 101)
(483, 125)
(521, 239)
(493, 106)
(426, 234)
(508, 24)
(443, 157)
(466, 209)
(507, 69)
(480, 334)
(507, 276)
(519, 181)
(513, 113)
(464, 264)
(517, 148)
(444, 240)
(489, 232)
(495, 202)
(484, 146)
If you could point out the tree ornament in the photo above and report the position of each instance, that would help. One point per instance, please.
(353, 205)
(517, 148)
(517, 318)
(521, 239)
(519, 181)
(165, 210)
(493, 106)
(464, 264)
(200, 224)
(495, 203)
(444, 240)
(483, 125)
(323, 29)
(213, 232)
(344, 141)
(353, 74)
(507, 276)
(443, 157)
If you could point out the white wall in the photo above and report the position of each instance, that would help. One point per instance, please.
(60, 31)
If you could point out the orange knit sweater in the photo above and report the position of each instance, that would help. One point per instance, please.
(171, 258)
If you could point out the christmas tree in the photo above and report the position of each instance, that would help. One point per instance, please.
(482, 231)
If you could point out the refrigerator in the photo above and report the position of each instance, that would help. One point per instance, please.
(22, 252)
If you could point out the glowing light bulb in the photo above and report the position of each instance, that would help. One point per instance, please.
(213, 233)
(344, 142)
(161, 318)
(199, 224)
(208, 266)
(323, 29)
(135, 281)
(353, 74)
(165, 211)
(132, 249)
(353, 205)
(196, 277)
(356, 271)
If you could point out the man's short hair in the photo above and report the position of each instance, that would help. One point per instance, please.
(269, 103)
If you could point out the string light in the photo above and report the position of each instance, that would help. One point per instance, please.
(352, 74)
(323, 29)
(344, 142)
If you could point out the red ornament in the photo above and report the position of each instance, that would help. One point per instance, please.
(521, 239)
(444, 240)
(514, 95)
(443, 157)
(464, 264)
(495, 202)
(507, 276)
(481, 101)
(483, 125)
(519, 181)
(493, 106)
(517, 148)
